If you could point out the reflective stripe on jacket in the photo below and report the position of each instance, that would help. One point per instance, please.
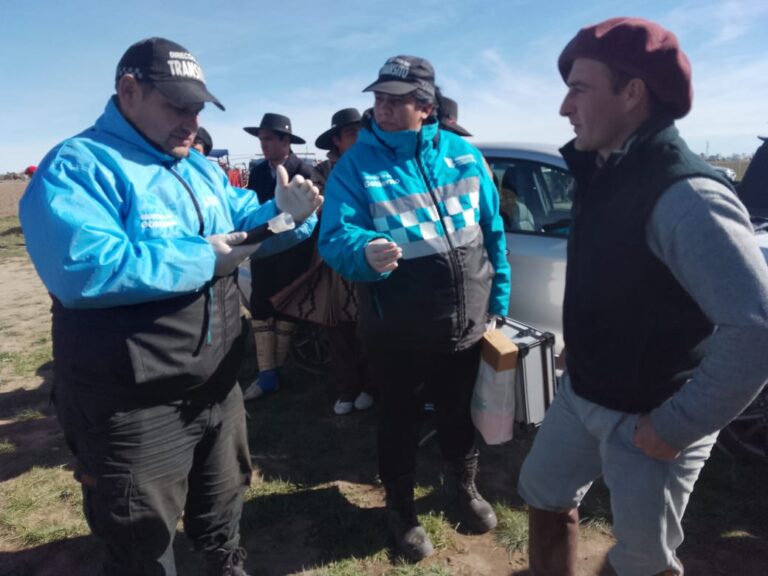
(430, 193)
(111, 220)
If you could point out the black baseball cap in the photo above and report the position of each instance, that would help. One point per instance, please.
(170, 68)
(403, 74)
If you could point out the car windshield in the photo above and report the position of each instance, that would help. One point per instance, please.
(535, 197)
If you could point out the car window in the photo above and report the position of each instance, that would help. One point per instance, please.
(534, 197)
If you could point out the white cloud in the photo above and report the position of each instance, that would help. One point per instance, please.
(508, 100)
(729, 107)
(721, 22)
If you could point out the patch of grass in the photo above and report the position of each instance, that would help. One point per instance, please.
(346, 567)
(275, 498)
(41, 506)
(512, 530)
(420, 491)
(11, 238)
(7, 447)
(26, 363)
(331, 524)
(595, 509)
(263, 487)
(438, 529)
(404, 569)
(29, 414)
(597, 524)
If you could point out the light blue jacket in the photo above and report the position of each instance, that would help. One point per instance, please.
(111, 220)
(429, 192)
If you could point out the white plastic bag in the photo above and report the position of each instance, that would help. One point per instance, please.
(493, 403)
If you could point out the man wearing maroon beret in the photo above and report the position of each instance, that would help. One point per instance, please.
(665, 314)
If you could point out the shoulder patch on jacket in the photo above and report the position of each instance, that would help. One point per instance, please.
(460, 160)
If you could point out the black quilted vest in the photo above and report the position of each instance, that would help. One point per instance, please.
(633, 335)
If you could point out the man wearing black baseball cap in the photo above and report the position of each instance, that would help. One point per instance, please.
(137, 241)
(413, 217)
(665, 313)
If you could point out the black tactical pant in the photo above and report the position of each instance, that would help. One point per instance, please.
(405, 380)
(142, 465)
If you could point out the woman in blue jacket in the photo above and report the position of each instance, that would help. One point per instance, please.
(412, 215)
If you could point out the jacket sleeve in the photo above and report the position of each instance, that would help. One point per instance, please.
(702, 233)
(247, 213)
(495, 241)
(70, 214)
(347, 227)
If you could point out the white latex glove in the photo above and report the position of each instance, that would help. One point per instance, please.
(299, 197)
(228, 253)
(382, 255)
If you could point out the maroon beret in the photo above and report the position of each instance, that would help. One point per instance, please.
(642, 49)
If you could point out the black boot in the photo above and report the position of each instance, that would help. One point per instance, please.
(411, 539)
(473, 509)
(223, 562)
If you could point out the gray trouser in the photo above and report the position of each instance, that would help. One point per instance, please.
(580, 441)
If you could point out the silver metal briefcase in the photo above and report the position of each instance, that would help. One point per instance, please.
(535, 375)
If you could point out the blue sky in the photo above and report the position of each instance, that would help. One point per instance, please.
(497, 58)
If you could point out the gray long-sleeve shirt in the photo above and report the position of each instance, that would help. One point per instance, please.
(701, 232)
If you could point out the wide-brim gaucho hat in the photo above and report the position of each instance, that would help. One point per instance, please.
(340, 119)
(205, 139)
(276, 123)
(448, 116)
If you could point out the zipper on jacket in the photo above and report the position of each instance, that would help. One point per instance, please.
(201, 228)
(209, 293)
(457, 274)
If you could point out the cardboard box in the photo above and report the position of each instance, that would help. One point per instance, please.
(499, 351)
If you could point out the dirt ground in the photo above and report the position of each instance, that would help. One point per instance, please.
(286, 548)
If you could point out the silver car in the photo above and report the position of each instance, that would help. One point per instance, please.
(535, 199)
(535, 195)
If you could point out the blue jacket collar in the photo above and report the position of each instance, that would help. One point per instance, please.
(113, 122)
(402, 143)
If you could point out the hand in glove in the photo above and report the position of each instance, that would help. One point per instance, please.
(228, 253)
(299, 197)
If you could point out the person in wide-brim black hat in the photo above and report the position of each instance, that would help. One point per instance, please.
(339, 120)
(276, 123)
(345, 125)
(448, 116)
(203, 141)
(269, 276)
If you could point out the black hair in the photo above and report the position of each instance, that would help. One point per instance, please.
(424, 98)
